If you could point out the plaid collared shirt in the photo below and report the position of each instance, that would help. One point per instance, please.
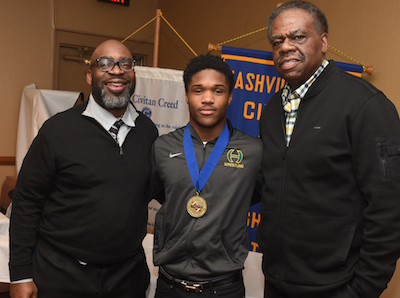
(291, 100)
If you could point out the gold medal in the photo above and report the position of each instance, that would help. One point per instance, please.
(196, 206)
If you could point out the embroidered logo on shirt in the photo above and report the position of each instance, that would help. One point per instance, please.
(172, 155)
(234, 158)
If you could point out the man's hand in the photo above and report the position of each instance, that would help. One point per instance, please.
(24, 290)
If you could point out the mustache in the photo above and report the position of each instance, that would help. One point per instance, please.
(299, 56)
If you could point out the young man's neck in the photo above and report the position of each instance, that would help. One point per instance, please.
(208, 134)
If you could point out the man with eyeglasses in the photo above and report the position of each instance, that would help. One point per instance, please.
(80, 205)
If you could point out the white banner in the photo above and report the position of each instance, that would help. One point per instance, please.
(160, 95)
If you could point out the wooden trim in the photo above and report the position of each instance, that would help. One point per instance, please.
(7, 160)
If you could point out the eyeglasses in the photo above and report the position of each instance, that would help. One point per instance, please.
(106, 64)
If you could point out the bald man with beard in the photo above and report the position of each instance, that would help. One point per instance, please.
(80, 205)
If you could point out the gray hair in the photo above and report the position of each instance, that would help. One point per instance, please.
(319, 20)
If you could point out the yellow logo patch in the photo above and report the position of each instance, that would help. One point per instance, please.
(234, 158)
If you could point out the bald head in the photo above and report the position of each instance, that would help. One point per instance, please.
(108, 46)
(112, 78)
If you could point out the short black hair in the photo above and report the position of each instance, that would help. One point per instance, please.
(207, 61)
(319, 20)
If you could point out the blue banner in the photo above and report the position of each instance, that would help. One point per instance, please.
(256, 80)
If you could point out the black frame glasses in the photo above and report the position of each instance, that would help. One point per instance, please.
(107, 64)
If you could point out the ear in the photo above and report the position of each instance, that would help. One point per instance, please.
(230, 98)
(187, 99)
(325, 42)
(89, 76)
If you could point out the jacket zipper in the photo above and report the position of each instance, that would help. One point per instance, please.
(284, 157)
(203, 161)
(190, 228)
(281, 198)
(383, 160)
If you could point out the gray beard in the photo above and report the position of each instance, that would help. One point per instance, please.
(114, 102)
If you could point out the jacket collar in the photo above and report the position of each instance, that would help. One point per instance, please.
(323, 79)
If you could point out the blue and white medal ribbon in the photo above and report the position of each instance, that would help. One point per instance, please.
(197, 206)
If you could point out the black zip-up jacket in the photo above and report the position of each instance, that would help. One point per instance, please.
(216, 243)
(331, 200)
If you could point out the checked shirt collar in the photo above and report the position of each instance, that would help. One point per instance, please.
(291, 100)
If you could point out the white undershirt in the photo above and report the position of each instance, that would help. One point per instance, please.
(106, 119)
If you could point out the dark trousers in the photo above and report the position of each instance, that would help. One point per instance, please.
(271, 292)
(344, 291)
(167, 289)
(57, 275)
